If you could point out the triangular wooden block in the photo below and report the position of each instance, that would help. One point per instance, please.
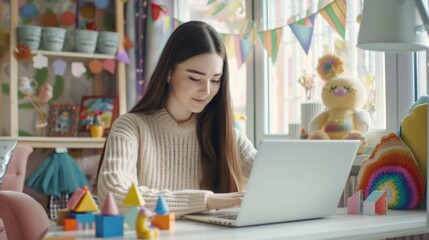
(375, 203)
(87, 204)
(133, 197)
(354, 203)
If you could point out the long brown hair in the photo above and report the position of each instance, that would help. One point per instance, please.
(220, 159)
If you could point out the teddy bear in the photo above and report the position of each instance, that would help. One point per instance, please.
(343, 98)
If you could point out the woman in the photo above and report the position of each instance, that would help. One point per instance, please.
(179, 139)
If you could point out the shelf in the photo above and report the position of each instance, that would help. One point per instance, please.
(62, 142)
(74, 54)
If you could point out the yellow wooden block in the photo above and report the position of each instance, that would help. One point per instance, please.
(87, 204)
(414, 133)
(133, 197)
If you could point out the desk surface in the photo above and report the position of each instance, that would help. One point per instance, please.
(339, 226)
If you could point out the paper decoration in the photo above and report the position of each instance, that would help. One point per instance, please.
(271, 41)
(355, 204)
(244, 49)
(59, 67)
(28, 10)
(127, 43)
(122, 56)
(95, 66)
(335, 15)
(77, 69)
(87, 11)
(45, 93)
(109, 65)
(67, 18)
(49, 19)
(303, 31)
(100, 4)
(40, 61)
(375, 203)
(157, 10)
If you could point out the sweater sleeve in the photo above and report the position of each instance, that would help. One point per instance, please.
(119, 171)
(247, 151)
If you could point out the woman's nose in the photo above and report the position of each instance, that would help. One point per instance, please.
(205, 87)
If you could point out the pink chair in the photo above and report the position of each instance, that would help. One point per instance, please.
(21, 217)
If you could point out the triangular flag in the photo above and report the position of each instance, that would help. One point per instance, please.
(122, 56)
(245, 46)
(303, 32)
(110, 208)
(87, 204)
(95, 66)
(109, 65)
(133, 197)
(335, 15)
(127, 43)
(157, 10)
(271, 41)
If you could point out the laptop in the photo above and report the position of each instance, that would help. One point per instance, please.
(290, 180)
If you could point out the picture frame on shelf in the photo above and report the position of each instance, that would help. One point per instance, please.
(97, 110)
(62, 120)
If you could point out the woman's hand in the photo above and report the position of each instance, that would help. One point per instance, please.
(224, 200)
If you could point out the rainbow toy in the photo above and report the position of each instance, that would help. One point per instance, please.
(392, 168)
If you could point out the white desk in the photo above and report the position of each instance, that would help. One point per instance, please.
(340, 226)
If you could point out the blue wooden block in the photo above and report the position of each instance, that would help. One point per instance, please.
(84, 220)
(109, 226)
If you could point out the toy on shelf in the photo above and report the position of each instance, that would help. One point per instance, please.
(163, 219)
(343, 98)
(143, 228)
(81, 206)
(109, 223)
(133, 200)
(374, 204)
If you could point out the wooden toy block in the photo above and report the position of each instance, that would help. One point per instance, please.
(69, 224)
(375, 203)
(86, 204)
(131, 216)
(84, 221)
(133, 197)
(164, 222)
(61, 215)
(354, 203)
(109, 226)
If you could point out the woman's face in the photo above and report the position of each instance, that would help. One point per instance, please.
(193, 84)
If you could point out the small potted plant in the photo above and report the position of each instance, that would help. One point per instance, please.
(95, 125)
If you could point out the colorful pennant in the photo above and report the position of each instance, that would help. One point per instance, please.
(271, 41)
(335, 15)
(303, 31)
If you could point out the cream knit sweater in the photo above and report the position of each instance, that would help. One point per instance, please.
(162, 157)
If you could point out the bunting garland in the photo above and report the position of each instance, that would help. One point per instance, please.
(335, 15)
(271, 41)
(242, 44)
(303, 31)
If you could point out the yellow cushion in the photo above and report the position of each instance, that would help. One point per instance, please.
(414, 132)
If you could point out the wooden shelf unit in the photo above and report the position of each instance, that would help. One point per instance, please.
(53, 142)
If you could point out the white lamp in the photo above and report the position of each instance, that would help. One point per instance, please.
(394, 26)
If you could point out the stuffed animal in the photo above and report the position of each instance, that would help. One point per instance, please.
(343, 98)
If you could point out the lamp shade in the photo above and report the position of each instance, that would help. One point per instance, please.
(389, 26)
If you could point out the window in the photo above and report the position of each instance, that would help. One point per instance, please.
(269, 92)
(283, 93)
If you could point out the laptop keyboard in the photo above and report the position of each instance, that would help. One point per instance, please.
(229, 217)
